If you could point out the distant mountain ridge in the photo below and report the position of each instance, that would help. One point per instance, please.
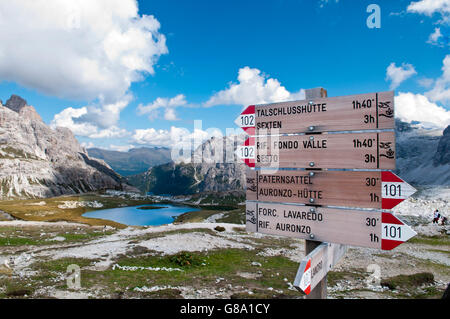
(135, 161)
(202, 174)
(37, 161)
(423, 156)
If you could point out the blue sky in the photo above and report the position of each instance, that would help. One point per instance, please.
(300, 44)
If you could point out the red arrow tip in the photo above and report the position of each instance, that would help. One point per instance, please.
(308, 290)
(389, 203)
(250, 141)
(249, 130)
(249, 110)
(388, 244)
(250, 163)
(388, 218)
(390, 177)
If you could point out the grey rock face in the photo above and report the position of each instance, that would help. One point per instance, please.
(37, 161)
(213, 168)
(442, 156)
(219, 168)
(422, 155)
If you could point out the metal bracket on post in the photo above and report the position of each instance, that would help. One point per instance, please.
(320, 291)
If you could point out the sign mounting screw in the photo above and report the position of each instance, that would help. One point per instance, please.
(311, 164)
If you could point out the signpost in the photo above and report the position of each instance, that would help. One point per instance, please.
(315, 266)
(364, 228)
(337, 151)
(348, 150)
(368, 189)
(356, 112)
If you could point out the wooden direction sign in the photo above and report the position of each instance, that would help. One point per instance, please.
(315, 266)
(366, 189)
(347, 150)
(356, 112)
(364, 228)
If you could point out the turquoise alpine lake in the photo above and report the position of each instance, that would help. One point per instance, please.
(140, 216)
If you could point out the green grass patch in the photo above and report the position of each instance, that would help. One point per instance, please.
(433, 266)
(236, 216)
(333, 277)
(187, 259)
(32, 236)
(19, 241)
(431, 240)
(18, 289)
(429, 293)
(169, 293)
(74, 237)
(408, 281)
(60, 265)
(195, 217)
(171, 232)
(200, 270)
(445, 252)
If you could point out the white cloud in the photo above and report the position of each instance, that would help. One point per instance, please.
(416, 107)
(110, 132)
(441, 89)
(428, 7)
(399, 74)
(168, 138)
(182, 141)
(425, 82)
(87, 145)
(105, 115)
(71, 118)
(81, 49)
(67, 118)
(431, 7)
(120, 148)
(322, 3)
(435, 37)
(168, 104)
(425, 108)
(84, 50)
(253, 88)
(170, 115)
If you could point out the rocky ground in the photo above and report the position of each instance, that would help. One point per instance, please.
(206, 254)
(198, 260)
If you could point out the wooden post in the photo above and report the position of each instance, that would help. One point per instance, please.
(320, 291)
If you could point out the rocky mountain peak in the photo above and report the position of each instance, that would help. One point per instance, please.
(16, 103)
(19, 105)
(38, 161)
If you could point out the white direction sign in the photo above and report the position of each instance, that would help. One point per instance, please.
(315, 266)
(367, 189)
(371, 111)
(362, 150)
(365, 228)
